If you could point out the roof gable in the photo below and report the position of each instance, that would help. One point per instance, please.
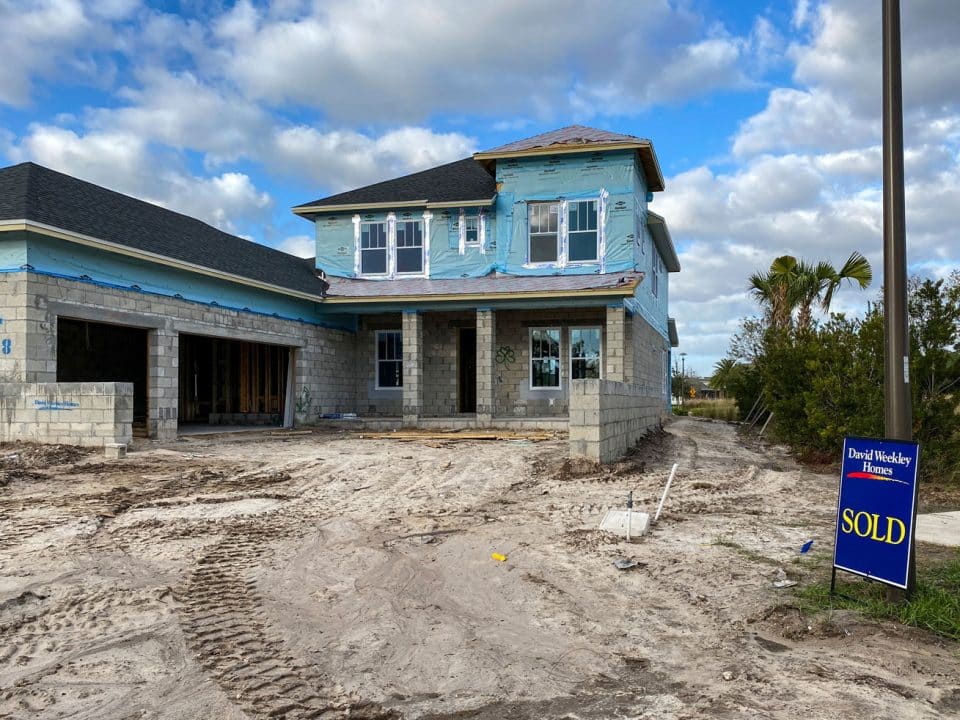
(37, 194)
(580, 138)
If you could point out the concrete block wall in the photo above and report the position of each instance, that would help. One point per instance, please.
(413, 386)
(327, 368)
(324, 358)
(486, 365)
(649, 351)
(91, 414)
(370, 402)
(607, 417)
(514, 396)
(13, 326)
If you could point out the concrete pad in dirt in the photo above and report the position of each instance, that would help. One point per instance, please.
(941, 528)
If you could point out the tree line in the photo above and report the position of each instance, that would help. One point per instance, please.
(823, 379)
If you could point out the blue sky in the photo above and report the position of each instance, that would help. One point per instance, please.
(765, 115)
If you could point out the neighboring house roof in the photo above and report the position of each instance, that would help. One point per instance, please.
(491, 287)
(47, 201)
(464, 182)
(579, 138)
(663, 241)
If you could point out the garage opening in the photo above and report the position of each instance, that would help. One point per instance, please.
(101, 352)
(231, 382)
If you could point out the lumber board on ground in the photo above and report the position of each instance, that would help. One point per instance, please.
(457, 435)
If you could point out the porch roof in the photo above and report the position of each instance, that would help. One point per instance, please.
(495, 286)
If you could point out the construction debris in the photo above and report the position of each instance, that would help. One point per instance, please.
(409, 435)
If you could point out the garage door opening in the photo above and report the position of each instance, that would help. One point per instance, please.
(100, 352)
(231, 382)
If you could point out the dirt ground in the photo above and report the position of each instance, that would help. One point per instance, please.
(329, 576)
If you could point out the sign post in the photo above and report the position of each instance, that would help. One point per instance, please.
(876, 510)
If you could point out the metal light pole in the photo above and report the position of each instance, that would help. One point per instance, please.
(896, 371)
(683, 375)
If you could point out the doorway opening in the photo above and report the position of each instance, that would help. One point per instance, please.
(467, 370)
(231, 382)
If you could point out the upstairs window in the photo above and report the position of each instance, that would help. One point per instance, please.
(544, 232)
(545, 357)
(582, 231)
(373, 248)
(409, 247)
(584, 353)
(471, 230)
(389, 359)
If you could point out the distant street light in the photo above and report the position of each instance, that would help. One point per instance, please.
(683, 373)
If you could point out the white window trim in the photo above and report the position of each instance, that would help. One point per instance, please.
(599, 329)
(376, 361)
(563, 234)
(358, 223)
(463, 230)
(559, 385)
(424, 227)
(391, 222)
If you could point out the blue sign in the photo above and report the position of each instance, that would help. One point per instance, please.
(875, 511)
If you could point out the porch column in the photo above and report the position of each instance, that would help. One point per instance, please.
(163, 383)
(616, 343)
(629, 351)
(486, 365)
(412, 367)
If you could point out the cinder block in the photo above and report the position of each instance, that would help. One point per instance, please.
(114, 451)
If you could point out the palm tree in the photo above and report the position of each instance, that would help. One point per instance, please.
(795, 285)
(722, 373)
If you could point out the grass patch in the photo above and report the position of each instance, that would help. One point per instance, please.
(935, 605)
(725, 409)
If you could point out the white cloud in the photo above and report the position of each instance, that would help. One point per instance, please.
(391, 62)
(40, 39)
(124, 162)
(300, 245)
(342, 159)
(803, 120)
(181, 112)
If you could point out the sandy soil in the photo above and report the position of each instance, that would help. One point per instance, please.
(330, 576)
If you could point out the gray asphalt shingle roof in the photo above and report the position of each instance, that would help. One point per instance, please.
(462, 180)
(35, 193)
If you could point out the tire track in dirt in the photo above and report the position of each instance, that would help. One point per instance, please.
(226, 628)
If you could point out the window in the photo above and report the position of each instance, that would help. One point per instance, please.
(373, 248)
(409, 246)
(545, 357)
(389, 359)
(471, 227)
(584, 353)
(544, 232)
(582, 229)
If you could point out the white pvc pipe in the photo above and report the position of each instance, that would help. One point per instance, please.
(665, 491)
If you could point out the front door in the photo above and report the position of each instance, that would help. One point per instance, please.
(467, 370)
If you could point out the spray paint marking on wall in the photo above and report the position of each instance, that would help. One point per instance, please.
(506, 356)
(6, 346)
(55, 404)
